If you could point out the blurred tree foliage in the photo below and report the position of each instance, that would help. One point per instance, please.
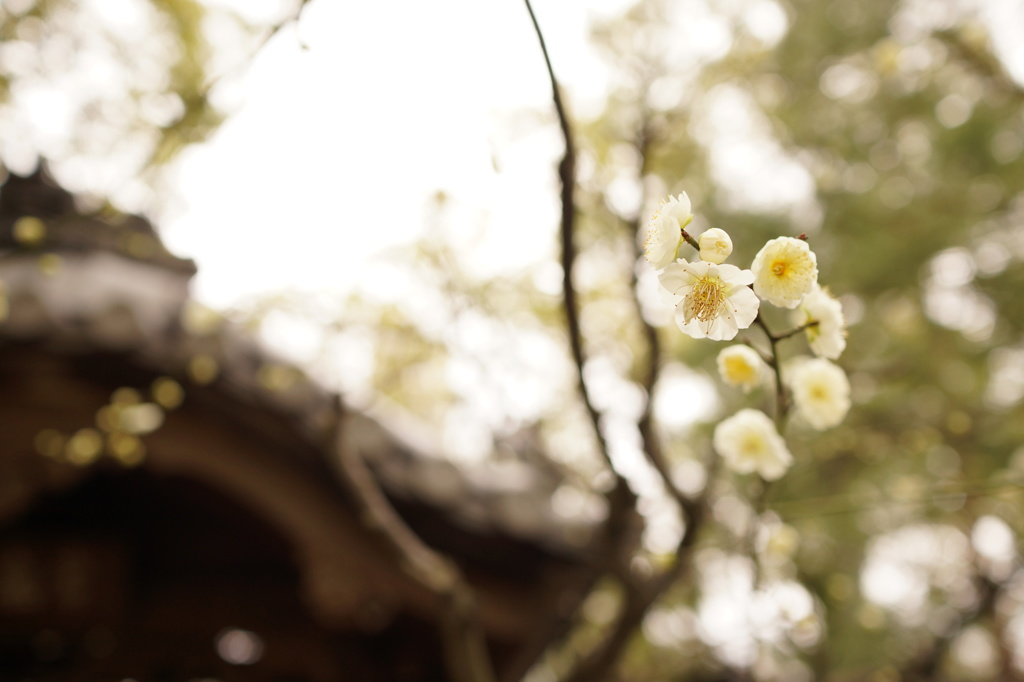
(109, 91)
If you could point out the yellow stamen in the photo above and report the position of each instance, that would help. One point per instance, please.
(739, 370)
(751, 446)
(707, 297)
(779, 268)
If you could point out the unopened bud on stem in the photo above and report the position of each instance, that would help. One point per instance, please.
(715, 245)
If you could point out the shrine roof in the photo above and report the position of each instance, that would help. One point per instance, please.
(99, 283)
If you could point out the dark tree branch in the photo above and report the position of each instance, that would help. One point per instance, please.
(781, 400)
(649, 439)
(640, 596)
(620, 530)
(279, 26)
(650, 442)
(982, 60)
(198, 106)
(567, 176)
(688, 238)
(796, 330)
(928, 665)
(465, 647)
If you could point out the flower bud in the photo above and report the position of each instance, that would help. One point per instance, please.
(715, 245)
(740, 365)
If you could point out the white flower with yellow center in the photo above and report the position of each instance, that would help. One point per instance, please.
(666, 234)
(827, 338)
(715, 245)
(712, 301)
(785, 269)
(821, 392)
(740, 365)
(749, 442)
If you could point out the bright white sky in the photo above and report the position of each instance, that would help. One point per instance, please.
(335, 150)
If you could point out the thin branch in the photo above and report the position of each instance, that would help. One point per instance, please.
(643, 146)
(781, 400)
(817, 507)
(650, 444)
(796, 330)
(279, 26)
(641, 596)
(567, 175)
(617, 544)
(759, 507)
(760, 353)
(690, 240)
(465, 646)
(200, 101)
(781, 413)
(981, 60)
(620, 529)
(929, 663)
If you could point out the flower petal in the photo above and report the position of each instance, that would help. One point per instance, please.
(745, 306)
(731, 274)
(676, 278)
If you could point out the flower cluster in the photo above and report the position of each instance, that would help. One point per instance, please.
(715, 300)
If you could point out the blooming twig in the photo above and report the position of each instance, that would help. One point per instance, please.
(715, 300)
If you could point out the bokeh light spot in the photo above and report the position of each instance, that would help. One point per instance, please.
(239, 647)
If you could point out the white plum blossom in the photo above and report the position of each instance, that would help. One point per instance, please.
(821, 392)
(741, 366)
(715, 245)
(784, 269)
(749, 442)
(666, 234)
(712, 301)
(827, 338)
